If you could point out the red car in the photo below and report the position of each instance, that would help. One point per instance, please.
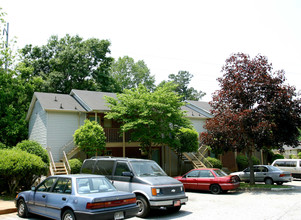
(212, 179)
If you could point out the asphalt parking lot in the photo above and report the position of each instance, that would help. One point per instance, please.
(259, 205)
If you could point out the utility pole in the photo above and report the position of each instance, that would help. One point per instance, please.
(5, 31)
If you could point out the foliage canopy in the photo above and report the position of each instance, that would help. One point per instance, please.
(254, 109)
(90, 138)
(154, 117)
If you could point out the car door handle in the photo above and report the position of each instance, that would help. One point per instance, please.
(64, 199)
(44, 196)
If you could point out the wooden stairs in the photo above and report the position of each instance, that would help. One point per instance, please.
(198, 159)
(58, 168)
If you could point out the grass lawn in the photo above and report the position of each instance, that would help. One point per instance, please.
(261, 185)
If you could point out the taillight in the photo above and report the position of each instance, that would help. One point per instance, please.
(282, 175)
(99, 205)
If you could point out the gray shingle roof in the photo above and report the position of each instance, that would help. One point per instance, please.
(91, 100)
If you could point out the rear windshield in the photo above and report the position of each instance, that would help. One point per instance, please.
(147, 168)
(220, 173)
(94, 185)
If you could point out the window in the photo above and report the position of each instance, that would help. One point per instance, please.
(104, 167)
(107, 123)
(193, 174)
(88, 166)
(206, 173)
(46, 185)
(121, 167)
(63, 185)
(94, 185)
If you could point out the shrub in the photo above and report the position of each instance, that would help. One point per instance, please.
(3, 146)
(242, 162)
(75, 165)
(216, 163)
(20, 169)
(299, 155)
(292, 156)
(255, 160)
(34, 147)
(277, 156)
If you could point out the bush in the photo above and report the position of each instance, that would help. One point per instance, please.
(277, 156)
(75, 165)
(20, 169)
(299, 155)
(3, 146)
(243, 162)
(216, 163)
(34, 147)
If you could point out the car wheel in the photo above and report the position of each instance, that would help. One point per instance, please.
(215, 189)
(68, 215)
(144, 208)
(268, 181)
(279, 183)
(22, 209)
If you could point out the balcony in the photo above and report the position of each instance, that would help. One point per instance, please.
(115, 135)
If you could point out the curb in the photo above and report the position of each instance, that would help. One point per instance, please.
(265, 189)
(7, 211)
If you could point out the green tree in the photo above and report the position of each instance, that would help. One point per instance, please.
(128, 74)
(186, 140)
(15, 96)
(154, 117)
(182, 80)
(69, 63)
(253, 110)
(90, 138)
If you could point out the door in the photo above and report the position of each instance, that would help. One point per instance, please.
(190, 180)
(37, 203)
(58, 197)
(121, 182)
(205, 179)
(260, 173)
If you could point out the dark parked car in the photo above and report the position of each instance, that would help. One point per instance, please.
(212, 179)
(265, 173)
(81, 196)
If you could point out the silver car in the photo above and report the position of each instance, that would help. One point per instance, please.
(265, 173)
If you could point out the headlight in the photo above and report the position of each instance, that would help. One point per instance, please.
(156, 191)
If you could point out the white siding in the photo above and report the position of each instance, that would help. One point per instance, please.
(198, 124)
(61, 127)
(38, 125)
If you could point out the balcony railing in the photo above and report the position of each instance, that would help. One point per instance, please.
(115, 135)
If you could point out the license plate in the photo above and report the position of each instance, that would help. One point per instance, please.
(177, 203)
(118, 215)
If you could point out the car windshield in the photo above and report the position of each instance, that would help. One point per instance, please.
(147, 168)
(94, 185)
(220, 173)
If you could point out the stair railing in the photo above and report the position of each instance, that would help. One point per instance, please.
(66, 163)
(52, 167)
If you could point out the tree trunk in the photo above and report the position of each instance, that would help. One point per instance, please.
(252, 178)
(179, 164)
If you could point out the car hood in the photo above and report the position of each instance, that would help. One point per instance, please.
(236, 173)
(160, 180)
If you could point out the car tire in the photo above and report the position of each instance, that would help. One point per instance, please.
(22, 209)
(144, 208)
(68, 215)
(215, 189)
(268, 181)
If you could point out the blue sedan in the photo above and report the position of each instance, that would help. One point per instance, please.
(78, 196)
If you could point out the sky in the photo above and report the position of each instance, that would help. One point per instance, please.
(171, 35)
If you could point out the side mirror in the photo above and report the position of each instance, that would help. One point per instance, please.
(129, 174)
(33, 188)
